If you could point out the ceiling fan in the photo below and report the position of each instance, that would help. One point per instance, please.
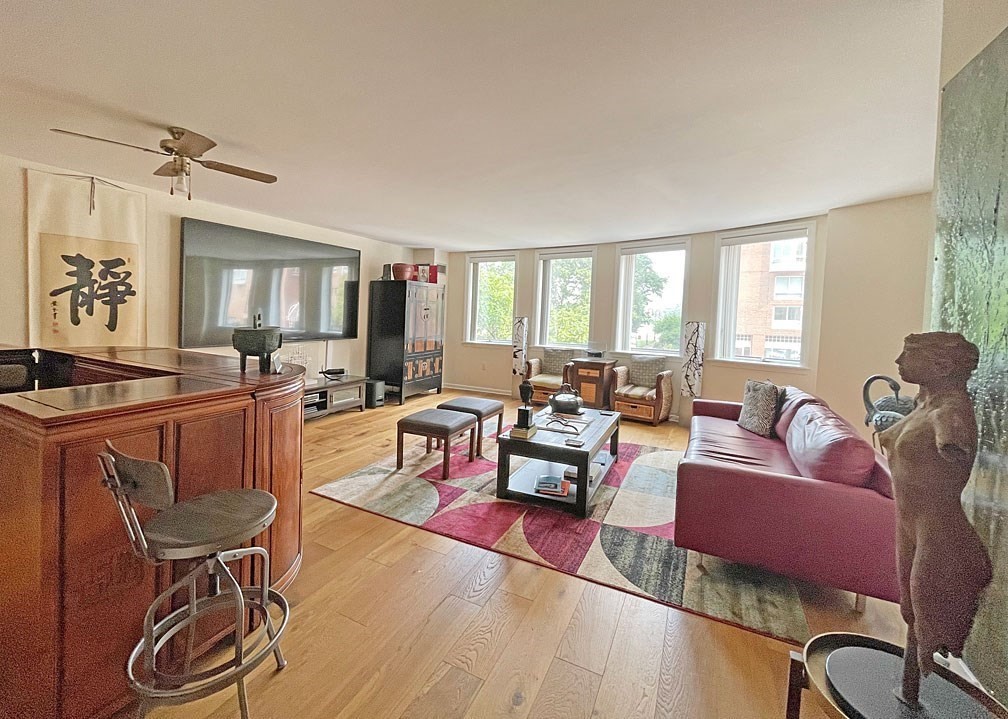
(184, 147)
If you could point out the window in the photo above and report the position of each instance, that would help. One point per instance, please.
(743, 345)
(782, 348)
(786, 318)
(290, 298)
(789, 287)
(651, 298)
(756, 303)
(564, 298)
(491, 298)
(339, 275)
(237, 290)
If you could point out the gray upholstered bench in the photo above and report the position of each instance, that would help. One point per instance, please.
(484, 409)
(439, 424)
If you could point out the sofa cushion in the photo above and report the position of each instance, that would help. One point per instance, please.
(759, 407)
(794, 399)
(554, 360)
(823, 446)
(722, 440)
(644, 369)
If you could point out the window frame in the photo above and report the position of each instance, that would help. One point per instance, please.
(542, 298)
(755, 235)
(624, 302)
(473, 260)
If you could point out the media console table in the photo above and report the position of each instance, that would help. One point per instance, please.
(73, 593)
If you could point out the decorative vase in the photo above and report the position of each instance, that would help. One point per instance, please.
(402, 271)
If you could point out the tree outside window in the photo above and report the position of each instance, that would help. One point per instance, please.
(566, 294)
(492, 285)
(651, 292)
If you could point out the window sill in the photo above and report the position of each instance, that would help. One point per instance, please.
(775, 366)
(644, 353)
(478, 343)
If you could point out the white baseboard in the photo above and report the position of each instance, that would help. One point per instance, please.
(481, 390)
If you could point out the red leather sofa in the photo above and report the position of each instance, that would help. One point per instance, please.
(742, 497)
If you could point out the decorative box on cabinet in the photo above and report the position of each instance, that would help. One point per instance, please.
(592, 378)
(406, 336)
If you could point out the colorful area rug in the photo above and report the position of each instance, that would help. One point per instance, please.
(627, 542)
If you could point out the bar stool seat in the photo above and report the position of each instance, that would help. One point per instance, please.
(205, 533)
(209, 523)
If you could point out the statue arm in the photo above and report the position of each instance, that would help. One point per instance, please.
(955, 436)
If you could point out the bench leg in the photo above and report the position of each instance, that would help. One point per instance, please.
(428, 444)
(500, 423)
(479, 438)
(398, 452)
(472, 444)
(447, 458)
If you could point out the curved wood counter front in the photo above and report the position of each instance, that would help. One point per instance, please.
(73, 593)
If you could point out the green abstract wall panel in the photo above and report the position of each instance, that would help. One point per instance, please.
(971, 297)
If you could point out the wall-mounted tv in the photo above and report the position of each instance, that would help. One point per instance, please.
(229, 275)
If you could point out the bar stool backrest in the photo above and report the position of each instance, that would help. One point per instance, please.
(144, 481)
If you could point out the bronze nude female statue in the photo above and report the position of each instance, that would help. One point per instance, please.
(943, 564)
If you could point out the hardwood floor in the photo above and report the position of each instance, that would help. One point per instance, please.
(390, 621)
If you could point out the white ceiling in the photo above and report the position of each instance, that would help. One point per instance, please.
(491, 123)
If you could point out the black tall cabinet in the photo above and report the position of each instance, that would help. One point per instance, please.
(406, 335)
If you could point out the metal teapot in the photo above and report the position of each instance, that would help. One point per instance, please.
(566, 400)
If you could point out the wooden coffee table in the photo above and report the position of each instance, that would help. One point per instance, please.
(550, 455)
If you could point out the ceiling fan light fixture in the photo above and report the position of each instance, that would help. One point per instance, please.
(180, 183)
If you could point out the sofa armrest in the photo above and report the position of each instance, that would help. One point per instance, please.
(533, 366)
(717, 408)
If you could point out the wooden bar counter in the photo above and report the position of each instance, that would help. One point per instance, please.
(73, 594)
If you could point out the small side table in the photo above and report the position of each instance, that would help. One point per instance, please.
(592, 377)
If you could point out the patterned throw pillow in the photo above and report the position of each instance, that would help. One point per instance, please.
(644, 369)
(759, 407)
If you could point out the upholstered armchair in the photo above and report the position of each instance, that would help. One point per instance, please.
(642, 390)
(548, 373)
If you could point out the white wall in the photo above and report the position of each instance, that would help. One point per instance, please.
(873, 295)
(162, 274)
(859, 251)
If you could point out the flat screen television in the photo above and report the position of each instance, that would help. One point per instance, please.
(230, 275)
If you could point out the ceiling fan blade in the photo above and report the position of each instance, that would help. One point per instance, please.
(189, 143)
(239, 171)
(102, 139)
(166, 170)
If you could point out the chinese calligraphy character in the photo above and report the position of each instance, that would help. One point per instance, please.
(110, 288)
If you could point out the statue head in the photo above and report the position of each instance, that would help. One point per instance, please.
(932, 356)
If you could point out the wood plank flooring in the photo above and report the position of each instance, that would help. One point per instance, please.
(392, 622)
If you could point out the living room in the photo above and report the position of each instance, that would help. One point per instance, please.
(391, 612)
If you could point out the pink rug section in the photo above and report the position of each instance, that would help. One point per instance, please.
(460, 467)
(447, 494)
(561, 539)
(481, 524)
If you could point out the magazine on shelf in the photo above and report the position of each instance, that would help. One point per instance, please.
(552, 485)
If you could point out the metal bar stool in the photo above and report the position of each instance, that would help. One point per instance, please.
(209, 531)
